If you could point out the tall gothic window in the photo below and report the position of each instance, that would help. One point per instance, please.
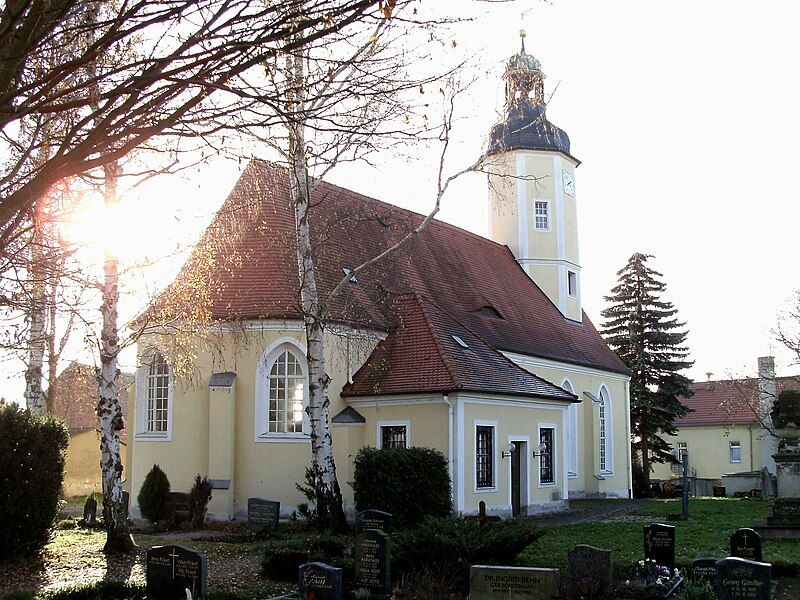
(606, 445)
(286, 394)
(157, 395)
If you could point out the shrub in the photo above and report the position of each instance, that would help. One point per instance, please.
(32, 455)
(641, 488)
(199, 497)
(451, 545)
(387, 479)
(282, 557)
(154, 490)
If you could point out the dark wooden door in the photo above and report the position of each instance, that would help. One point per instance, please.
(515, 479)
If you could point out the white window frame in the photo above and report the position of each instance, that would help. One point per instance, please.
(547, 215)
(381, 424)
(141, 398)
(680, 448)
(261, 431)
(571, 437)
(731, 445)
(571, 275)
(495, 454)
(554, 457)
(606, 422)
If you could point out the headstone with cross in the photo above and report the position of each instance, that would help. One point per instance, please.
(482, 517)
(746, 543)
(171, 570)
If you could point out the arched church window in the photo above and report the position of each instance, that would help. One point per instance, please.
(286, 383)
(606, 443)
(157, 417)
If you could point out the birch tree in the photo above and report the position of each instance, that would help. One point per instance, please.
(350, 95)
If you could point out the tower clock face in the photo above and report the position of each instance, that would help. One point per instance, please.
(569, 182)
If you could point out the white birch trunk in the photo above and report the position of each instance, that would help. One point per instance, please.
(34, 394)
(108, 408)
(329, 495)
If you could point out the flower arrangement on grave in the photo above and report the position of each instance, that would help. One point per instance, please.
(651, 580)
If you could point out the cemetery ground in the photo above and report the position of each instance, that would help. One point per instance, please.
(74, 556)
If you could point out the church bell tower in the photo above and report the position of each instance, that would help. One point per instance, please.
(532, 201)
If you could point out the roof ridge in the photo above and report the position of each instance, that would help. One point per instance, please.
(418, 298)
(362, 196)
(491, 347)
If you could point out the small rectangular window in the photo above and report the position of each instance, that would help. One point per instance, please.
(682, 449)
(394, 436)
(546, 455)
(484, 456)
(572, 283)
(541, 214)
(735, 452)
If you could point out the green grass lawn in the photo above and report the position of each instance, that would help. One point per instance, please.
(711, 522)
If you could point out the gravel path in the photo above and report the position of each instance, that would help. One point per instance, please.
(583, 511)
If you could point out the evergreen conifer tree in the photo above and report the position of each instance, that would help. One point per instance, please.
(644, 331)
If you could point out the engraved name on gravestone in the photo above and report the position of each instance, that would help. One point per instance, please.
(590, 572)
(704, 569)
(742, 579)
(659, 544)
(262, 515)
(746, 543)
(512, 583)
(171, 570)
(373, 519)
(372, 562)
(319, 581)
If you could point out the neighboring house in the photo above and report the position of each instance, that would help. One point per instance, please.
(75, 404)
(476, 347)
(724, 433)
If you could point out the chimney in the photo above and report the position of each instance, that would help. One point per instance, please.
(767, 394)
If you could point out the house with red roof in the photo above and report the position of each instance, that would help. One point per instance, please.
(727, 431)
(476, 346)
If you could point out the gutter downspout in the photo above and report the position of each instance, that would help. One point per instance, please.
(451, 458)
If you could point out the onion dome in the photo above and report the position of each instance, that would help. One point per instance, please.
(525, 125)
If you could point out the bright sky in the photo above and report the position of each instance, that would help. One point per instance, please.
(683, 114)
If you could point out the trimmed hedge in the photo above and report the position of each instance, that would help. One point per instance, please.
(152, 494)
(452, 544)
(32, 454)
(411, 483)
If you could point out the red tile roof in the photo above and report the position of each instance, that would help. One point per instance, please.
(727, 402)
(429, 351)
(77, 397)
(245, 265)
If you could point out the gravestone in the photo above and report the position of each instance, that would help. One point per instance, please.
(746, 543)
(482, 517)
(512, 583)
(373, 519)
(372, 563)
(742, 579)
(126, 503)
(704, 569)
(719, 491)
(319, 581)
(262, 515)
(659, 544)
(90, 511)
(171, 570)
(590, 572)
(176, 507)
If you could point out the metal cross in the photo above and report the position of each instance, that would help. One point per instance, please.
(174, 555)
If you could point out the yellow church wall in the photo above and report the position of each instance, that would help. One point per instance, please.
(511, 424)
(82, 467)
(709, 451)
(616, 483)
(504, 205)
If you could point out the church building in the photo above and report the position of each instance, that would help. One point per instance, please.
(476, 347)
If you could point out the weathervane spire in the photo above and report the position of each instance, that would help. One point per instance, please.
(522, 35)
